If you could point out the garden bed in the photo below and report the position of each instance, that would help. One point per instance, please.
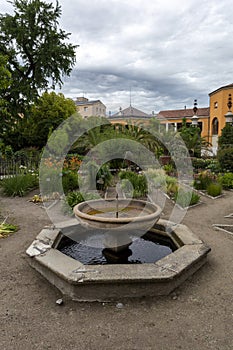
(204, 193)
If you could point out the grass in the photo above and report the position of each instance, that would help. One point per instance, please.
(19, 185)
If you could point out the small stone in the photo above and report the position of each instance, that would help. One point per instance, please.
(59, 301)
(119, 306)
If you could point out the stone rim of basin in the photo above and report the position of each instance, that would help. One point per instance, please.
(149, 211)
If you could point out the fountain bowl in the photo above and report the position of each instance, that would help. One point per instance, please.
(137, 214)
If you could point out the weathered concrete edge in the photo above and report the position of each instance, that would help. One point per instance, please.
(100, 282)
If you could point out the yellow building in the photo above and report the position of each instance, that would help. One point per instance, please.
(218, 109)
(211, 120)
(174, 118)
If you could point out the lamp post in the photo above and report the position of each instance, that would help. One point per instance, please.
(229, 114)
(195, 117)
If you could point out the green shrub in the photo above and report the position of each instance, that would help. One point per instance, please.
(104, 177)
(203, 180)
(186, 198)
(138, 182)
(19, 185)
(70, 181)
(204, 164)
(74, 198)
(226, 180)
(171, 185)
(214, 189)
(225, 157)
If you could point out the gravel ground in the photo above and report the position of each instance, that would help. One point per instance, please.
(198, 315)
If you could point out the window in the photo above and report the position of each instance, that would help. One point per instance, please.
(85, 109)
(215, 104)
(200, 126)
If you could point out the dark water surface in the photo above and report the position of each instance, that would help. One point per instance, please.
(146, 249)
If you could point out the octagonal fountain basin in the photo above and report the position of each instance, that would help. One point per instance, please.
(89, 281)
(114, 213)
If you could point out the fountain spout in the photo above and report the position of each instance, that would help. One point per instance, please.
(117, 205)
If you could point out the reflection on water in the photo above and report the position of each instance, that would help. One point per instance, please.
(142, 250)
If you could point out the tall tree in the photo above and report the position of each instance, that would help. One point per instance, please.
(5, 81)
(38, 52)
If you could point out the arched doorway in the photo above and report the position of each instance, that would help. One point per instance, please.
(215, 126)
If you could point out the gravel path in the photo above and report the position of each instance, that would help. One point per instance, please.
(199, 315)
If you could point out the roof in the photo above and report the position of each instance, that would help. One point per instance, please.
(130, 112)
(183, 113)
(83, 103)
(230, 86)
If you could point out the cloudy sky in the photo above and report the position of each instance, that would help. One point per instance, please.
(167, 52)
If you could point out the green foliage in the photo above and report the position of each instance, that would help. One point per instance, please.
(225, 150)
(206, 164)
(171, 185)
(38, 57)
(192, 139)
(74, 198)
(169, 168)
(8, 152)
(157, 177)
(226, 180)
(46, 115)
(226, 138)
(19, 185)
(104, 177)
(138, 183)
(7, 229)
(186, 198)
(5, 75)
(214, 189)
(70, 181)
(225, 157)
(203, 180)
(96, 176)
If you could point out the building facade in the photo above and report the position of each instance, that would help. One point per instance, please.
(174, 118)
(218, 109)
(87, 108)
(211, 120)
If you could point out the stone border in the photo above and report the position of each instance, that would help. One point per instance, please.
(110, 282)
(223, 227)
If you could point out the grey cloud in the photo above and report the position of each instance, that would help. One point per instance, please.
(167, 52)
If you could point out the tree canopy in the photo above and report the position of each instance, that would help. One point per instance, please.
(47, 114)
(35, 55)
(37, 50)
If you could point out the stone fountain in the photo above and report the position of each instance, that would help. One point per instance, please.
(117, 219)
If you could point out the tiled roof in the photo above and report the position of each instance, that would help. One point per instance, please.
(183, 113)
(130, 112)
(222, 88)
